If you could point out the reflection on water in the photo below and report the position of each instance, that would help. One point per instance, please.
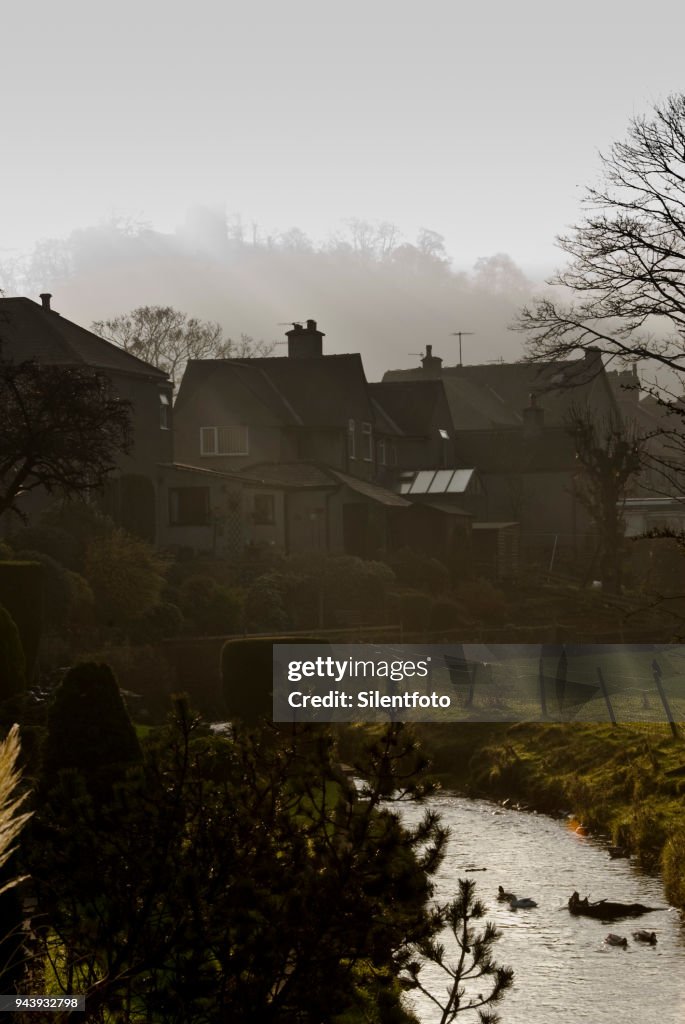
(565, 973)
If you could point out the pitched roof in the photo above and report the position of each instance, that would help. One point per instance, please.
(314, 475)
(495, 394)
(323, 391)
(28, 331)
(411, 404)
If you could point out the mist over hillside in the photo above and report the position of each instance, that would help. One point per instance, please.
(370, 289)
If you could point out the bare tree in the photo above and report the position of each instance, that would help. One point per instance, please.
(627, 256)
(609, 457)
(168, 338)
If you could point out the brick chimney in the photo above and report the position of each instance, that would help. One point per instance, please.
(45, 299)
(431, 363)
(533, 418)
(305, 342)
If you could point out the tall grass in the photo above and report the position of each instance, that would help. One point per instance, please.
(11, 822)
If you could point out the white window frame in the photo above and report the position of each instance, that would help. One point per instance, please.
(213, 433)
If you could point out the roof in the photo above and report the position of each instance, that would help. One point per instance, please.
(411, 404)
(289, 474)
(322, 391)
(443, 506)
(30, 332)
(495, 394)
(493, 526)
(369, 490)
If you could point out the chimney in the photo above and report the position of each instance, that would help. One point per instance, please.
(533, 418)
(305, 342)
(593, 359)
(431, 363)
(45, 299)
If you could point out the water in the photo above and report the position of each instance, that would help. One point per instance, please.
(565, 973)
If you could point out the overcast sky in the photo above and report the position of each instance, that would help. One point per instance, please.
(479, 120)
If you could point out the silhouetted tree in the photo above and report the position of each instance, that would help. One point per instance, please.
(61, 428)
(608, 457)
(240, 879)
(474, 960)
(626, 258)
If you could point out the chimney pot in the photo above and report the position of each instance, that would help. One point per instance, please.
(311, 325)
(45, 299)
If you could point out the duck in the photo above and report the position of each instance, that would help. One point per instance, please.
(505, 897)
(616, 940)
(524, 903)
(644, 936)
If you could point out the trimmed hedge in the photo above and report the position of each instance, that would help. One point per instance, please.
(12, 663)
(247, 675)
(21, 593)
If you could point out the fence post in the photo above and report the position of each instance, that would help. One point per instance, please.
(656, 671)
(605, 694)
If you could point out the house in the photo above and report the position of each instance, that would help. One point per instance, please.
(328, 444)
(35, 331)
(509, 424)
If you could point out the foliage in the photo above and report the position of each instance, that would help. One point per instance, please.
(212, 609)
(264, 605)
(419, 571)
(126, 576)
(484, 601)
(238, 879)
(89, 730)
(160, 622)
(12, 663)
(21, 592)
(474, 960)
(11, 822)
(62, 429)
(167, 338)
(247, 667)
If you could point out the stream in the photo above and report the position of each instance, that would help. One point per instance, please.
(564, 971)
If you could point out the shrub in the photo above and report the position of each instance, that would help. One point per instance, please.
(21, 592)
(445, 614)
(89, 729)
(12, 664)
(483, 600)
(126, 575)
(415, 611)
(419, 571)
(247, 675)
(212, 609)
(264, 605)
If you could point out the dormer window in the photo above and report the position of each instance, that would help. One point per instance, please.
(351, 439)
(367, 442)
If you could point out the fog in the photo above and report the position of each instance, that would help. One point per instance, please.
(370, 289)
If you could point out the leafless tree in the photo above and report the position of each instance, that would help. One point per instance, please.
(168, 338)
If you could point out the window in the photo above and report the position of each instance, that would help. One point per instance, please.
(223, 441)
(380, 451)
(351, 439)
(367, 442)
(189, 506)
(164, 411)
(264, 510)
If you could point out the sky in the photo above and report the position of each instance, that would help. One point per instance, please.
(482, 121)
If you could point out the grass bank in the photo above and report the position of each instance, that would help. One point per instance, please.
(627, 781)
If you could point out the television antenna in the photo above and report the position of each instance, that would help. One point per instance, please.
(419, 354)
(460, 335)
